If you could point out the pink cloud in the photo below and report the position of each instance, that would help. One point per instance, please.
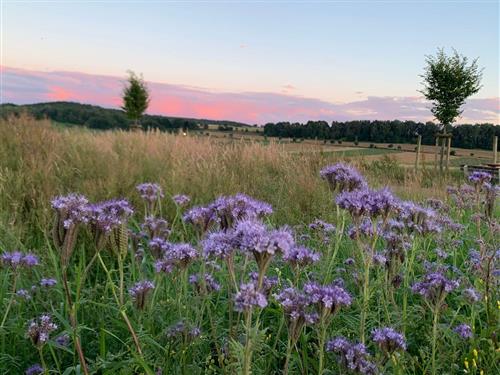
(25, 86)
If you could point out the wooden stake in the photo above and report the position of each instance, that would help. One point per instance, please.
(436, 153)
(495, 147)
(417, 157)
(448, 150)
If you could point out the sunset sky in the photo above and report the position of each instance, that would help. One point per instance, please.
(247, 61)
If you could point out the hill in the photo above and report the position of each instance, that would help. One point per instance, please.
(96, 117)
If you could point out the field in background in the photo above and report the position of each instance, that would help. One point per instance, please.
(39, 161)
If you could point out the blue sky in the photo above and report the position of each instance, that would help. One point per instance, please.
(336, 52)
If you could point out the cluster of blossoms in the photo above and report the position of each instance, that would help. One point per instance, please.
(268, 283)
(249, 297)
(328, 299)
(219, 245)
(47, 283)
(150, 192)
(353, 357)
(479, 178)
(39, 330)
(139, 293)
(464, 331)
(297, 308)
(211, 284)
(158, 247)
(178, 255)
(300, 256)
(108, 215)
(181, 200)
(471, 295)
(71, 209)
(367, 202)
(154, 227)
(388, 339)
(183, 331)
(323, 229)
(342, 177)
(418, 219)
(434, 287)
(35, 369)
(227, 210)
(17, 259)
(462, 197)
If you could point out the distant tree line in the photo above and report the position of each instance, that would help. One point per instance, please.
(395, 131)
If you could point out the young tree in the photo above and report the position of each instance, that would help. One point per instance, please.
(448, 81)
(135, 98)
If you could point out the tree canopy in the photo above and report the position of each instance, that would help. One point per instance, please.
(135, 97)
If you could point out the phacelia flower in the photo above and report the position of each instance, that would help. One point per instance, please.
(48, 283)
(159, 247)
(327, 298)
(17, 259)
(181, 200)
(479, 178)
(200, 217)
(62, 340)
(108, 215)
(342, 177)
(71, 209)
(471, 295)
(150, 192)
(183, 331)
(366, 202)
(40, 329)
(249, 297)
(210, 283)
(353, 357)
(35, 369)
(139, 293)
(219, 245)
(155, 227)
(435, 286)
(23, 294)
(388, 339)
(464, 331)
(300, 256)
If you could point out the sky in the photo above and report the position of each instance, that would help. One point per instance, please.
(248, 61)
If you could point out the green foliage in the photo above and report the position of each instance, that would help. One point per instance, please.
(135, 97)
(448, 82)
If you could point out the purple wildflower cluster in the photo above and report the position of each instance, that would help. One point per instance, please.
(17, 259)
(462, 197)
(388, 339)
(108, 215)
(178, 255)
(227, 210)
(343, 177)
(211, 284)
(35, 369)
(479, 178)
(464, 331)
(159, 247)
(155, 227)
(39, 330)
(328, 299)
(150, 192)
(367, 202)
(300, 256)
(435, 286)
(220, 245)
(181, 200)
(47, 283)
(249, 297)
(353, 357)
(183, 331)
(139, 293)
(71, 209)
(268, 283)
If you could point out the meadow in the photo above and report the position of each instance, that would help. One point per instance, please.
(152, 253)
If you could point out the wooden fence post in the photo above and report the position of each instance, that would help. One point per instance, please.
(448, 150)
(417, 157)
(495, 147)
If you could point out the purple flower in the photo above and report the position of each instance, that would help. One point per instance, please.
(48, 283)
(35, 369)
(71, 209)
(349, 261)
(62, 340)
(159, 247)
(388, 339)
(150, 192)
(108, 215)
(366, 202)
(249, 297)
(200, 217)
(17, 259)
(181, 200)
(210, 283)
(343, 177)
(323, 226)
(24, 294)
(183, 331)
(419, 219)
(327, 298)
(155, 227)
(39, 330)
(300, 256)
(471, 295)
(268, 283)
(380, 259)
(253, 236)
(140, 291)
(435, 286)
(181, 254)
(353, 357)
(464, 331)
(479, 178)
(219, 245)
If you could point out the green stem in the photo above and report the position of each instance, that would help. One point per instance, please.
(288, 354)
(11, 300)
(247, 363)
(321, 349)
(434, 338)
(42, 360)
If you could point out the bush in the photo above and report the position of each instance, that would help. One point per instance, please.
(453, 152)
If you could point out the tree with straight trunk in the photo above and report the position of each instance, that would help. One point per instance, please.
(135, 98)
(448, 81)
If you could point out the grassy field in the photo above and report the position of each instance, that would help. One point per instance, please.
(131, 300)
